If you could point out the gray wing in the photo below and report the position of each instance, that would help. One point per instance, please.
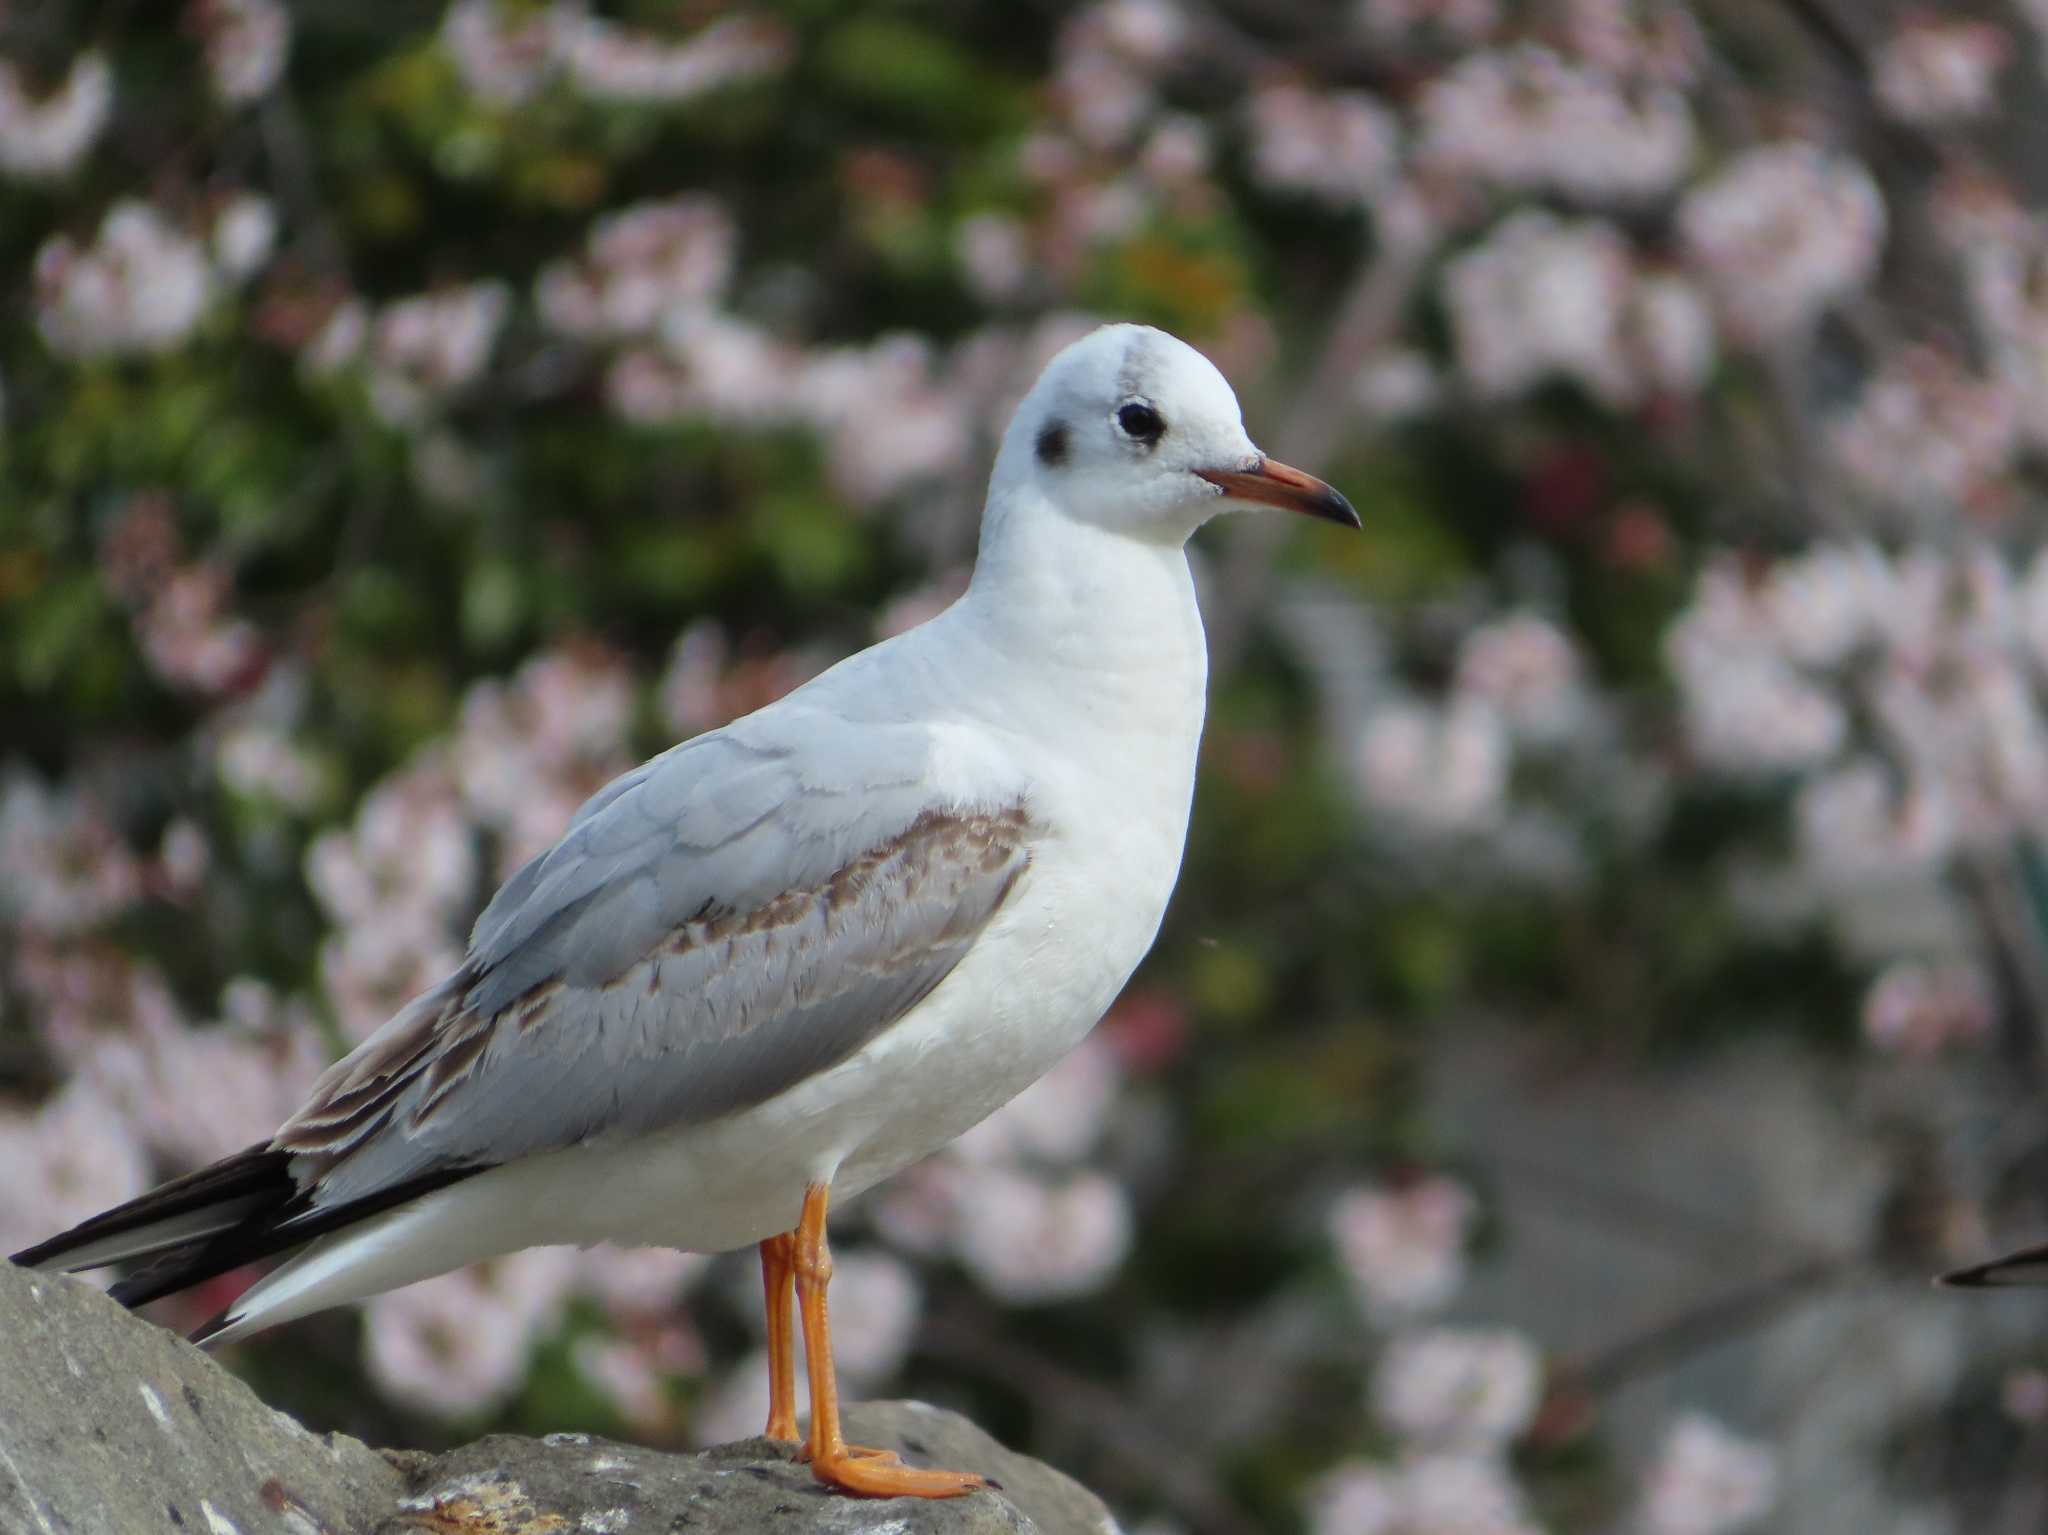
(714, 927)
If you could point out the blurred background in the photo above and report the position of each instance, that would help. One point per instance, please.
(1609, 974)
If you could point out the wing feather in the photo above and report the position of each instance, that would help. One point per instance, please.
(714, 927)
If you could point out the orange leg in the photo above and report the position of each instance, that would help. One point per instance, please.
(872, 1473)
(778, 1259)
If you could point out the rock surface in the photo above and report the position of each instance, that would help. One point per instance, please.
(109, 1425)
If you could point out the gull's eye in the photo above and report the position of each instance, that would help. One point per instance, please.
(1141, 423)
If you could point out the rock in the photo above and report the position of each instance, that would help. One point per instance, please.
(737, 1489)
(110, 1424)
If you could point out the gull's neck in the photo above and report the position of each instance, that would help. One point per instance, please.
(1098, 627)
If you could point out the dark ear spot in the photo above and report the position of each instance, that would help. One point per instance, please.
(1052, 444)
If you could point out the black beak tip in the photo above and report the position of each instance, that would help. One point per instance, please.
(1335, 508)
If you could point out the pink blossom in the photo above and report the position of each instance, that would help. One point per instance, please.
(189, 1094)
(735, 1406)
(1937, 68)
(339, 341)
(1927, 435)
(426, 348)
(1148, 32)
(918, 1210)
(244, 231)
(502, 58)
(247, 43)
(994, 254)
(1105, 61)
(1459, 1494)
(1974, 727)
(47, 137)
(724, 369)
(1755, 715)
(183, 856)
(1526, 118)
(2009, 306)
(628, 1379)
(1527, 668)
(640, 263)
(530, 753)
(887, 419)
(1823, 607)
(2024, 1395)
(1541, 298)
(71, 1158)
(1403, 1248)
(140, 287)
(262, 761)
(876, 1303)
(1781, 234)
(1920, 1009)
(1443, 1494)
(1435, 770)
(1356, 1498)
(1639, 40)
(1749, 710)
(67, 869)
(1028, 1242)
(371, 968)
(1457, 21)
(1179, 151)
(638, 1281)
(90, 1005)
(1855, 825)
(1974, 210)
(1468, 1387)
(1398, 384)
(1707, 1481)
(2031, 619)
(610, 62)
(706, 684)
(214, 1090)
(457, 1345)
(189, 637)
(1668, 335)
(410, 851)
(1341, 146)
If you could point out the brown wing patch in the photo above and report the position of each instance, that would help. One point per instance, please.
(416, 1066)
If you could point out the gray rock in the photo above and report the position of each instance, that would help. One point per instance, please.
(109, 1425)
(112, 1426)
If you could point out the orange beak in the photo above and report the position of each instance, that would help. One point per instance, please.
(1271, 483)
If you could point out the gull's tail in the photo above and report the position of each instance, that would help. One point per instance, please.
(2028, 1266)
(240, 1209)
(196, 1226)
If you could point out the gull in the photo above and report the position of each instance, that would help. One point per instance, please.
(790, 957)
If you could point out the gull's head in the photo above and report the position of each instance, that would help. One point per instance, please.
(1135, 431)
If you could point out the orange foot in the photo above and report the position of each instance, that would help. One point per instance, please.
(880, 1474)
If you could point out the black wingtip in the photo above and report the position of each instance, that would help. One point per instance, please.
(257, 1177)
(203, 1335)
(42, 1253)
(2025, 1269)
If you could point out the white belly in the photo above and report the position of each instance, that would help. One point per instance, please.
(1041, 977)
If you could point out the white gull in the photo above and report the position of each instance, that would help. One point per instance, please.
(787, 958)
